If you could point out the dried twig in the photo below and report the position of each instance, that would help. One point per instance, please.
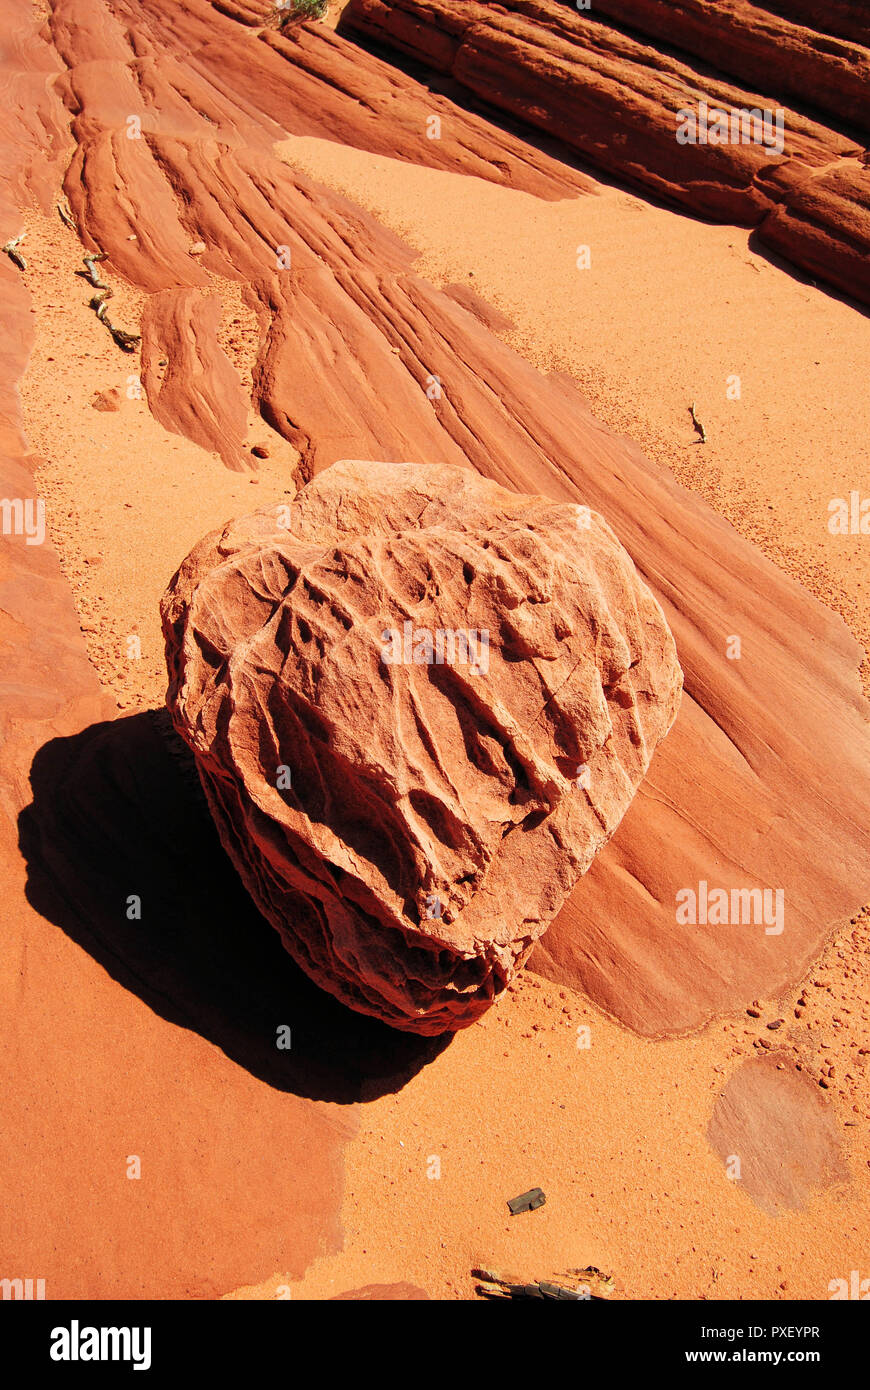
(66, 216)
(575, 1285)
(126, 341)
(90, 273)
(98, 303)
(12, 252)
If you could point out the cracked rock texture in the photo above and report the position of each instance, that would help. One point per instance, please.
(439, 811)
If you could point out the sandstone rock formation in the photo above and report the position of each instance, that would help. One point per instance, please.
(59, 1216)
(744, 780)
(417, 715)
(763, 778)
(190, 383)
(769, 53)
(847, 18)
(614, 97)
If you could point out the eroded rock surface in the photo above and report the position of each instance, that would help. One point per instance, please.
(418, 711)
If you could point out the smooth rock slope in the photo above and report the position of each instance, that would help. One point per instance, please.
(419, 705)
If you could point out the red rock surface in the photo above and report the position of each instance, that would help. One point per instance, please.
(768, 53)
(762, 780)
(614, 99)
(847, 18)
(192, 386)
(376, 1293)
(756, 1119)
(434, 822)
(748, 778)
(344, 93)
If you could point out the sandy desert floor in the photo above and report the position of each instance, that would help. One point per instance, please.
(618, 1134)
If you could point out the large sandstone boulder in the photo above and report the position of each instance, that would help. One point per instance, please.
(419, 705)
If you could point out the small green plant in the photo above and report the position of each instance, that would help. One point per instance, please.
(289, 10)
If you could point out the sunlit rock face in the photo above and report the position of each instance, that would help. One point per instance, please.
(419, 705)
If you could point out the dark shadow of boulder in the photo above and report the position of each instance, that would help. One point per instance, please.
(117, 813)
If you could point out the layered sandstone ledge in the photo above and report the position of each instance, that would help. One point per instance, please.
(614, 99)
(419, 704)
(848, 19)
